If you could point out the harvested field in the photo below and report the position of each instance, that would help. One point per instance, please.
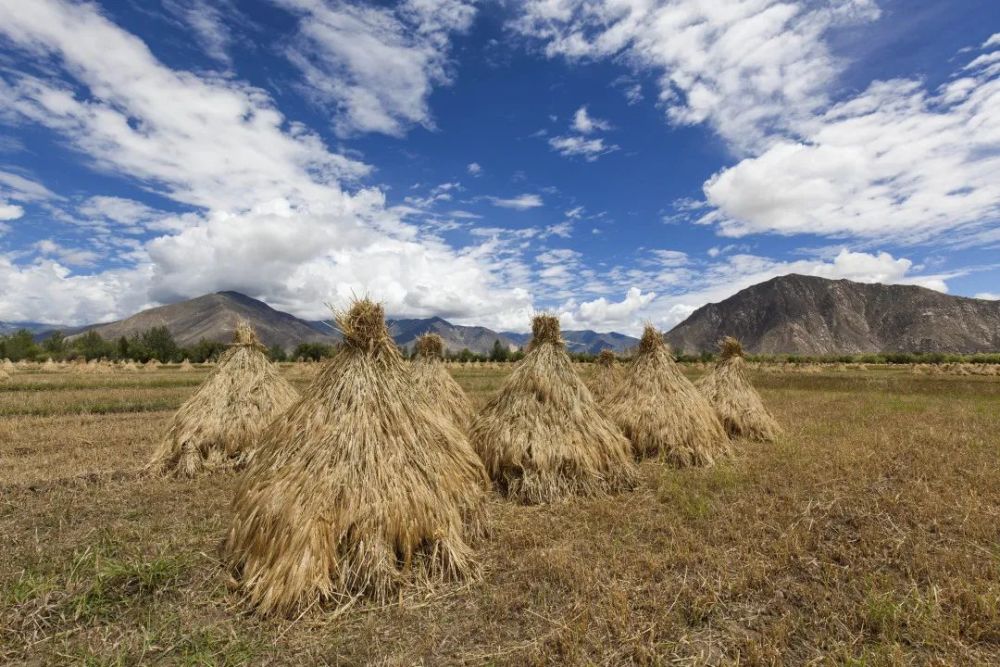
(868, 533)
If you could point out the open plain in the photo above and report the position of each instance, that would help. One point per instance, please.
(869, 534)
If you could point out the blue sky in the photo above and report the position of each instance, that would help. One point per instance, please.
(614, 162)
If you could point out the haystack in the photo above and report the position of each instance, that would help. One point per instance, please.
(4, 375)
(436, 385)
(358, 488)
(543, 437)
(186, 366)
(222, 420)
(607, 375)
(151, 365)
(662, 413)
(727, 387)
(7, 365)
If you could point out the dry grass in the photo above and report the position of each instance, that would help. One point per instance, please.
(662, 413)
(436, 386)
(607, 376)
(221, 422)
(543, 437)
(356, 490)
(867, 535)
(728, 388)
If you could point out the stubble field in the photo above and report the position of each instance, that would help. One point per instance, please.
(869, 535)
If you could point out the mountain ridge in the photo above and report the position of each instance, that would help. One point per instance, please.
(798, 314)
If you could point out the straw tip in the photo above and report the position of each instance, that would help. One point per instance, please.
(651, 339)
(363, 324)
(545, 329)
(430, 346)
(730, 347)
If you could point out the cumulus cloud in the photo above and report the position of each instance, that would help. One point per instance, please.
(10, 211)
(522, 202)
(585, 124)
(604, 314)
(376, 64)
(272, 211)
(894, 162)
(474, 168)
(582, 144)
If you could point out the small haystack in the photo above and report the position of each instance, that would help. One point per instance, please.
(727, 387)
(186, 366)
(8, 366)
(543, 437)
(436, 385)
(4, 375)
(151, 365)
(50, 366)
(358, 488)
(607, 375)
(662, 413)
(223, 418)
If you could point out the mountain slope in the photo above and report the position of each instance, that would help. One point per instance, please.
(214, 316)
(809, 315)
(585, 341)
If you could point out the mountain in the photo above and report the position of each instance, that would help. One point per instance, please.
(455, 336)
(584, 341)
(214, 316)
(7, 328)
(809, 315)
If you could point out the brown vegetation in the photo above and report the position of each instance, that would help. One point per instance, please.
(728, 388)
(543, 437)
(221, 422)
(662, 413)
(435, 384)
(358, 488)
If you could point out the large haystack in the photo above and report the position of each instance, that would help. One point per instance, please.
(662, 413)
(358, 488)
(543, 437)
(727, 387)
(435, 384)
(222, 420)
(607, 376)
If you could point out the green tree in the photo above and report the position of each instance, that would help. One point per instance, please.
(277, 353)
(160, 344)
(55, 344)
(204, 350)
(499, 352)
(91, 346)
(122, 348)
(313, 351)
(21, 345)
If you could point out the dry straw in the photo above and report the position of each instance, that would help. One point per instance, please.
(662, 413)
(358, 488)
(607, 376)
(435, 384)
(727, 387)
(186, 366)
(543, 437)
(222, 420)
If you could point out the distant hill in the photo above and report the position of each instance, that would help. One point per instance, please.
(809, 315)
(584, 341)
(214, 317)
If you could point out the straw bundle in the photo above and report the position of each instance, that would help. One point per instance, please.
(224, 417)
(727, 387)
(151, 365)
(662, 413)
(7, 365)
(607, 375)
(358, 488)
(543, 437)
(435, 384)
(186, 366)
(4, 375)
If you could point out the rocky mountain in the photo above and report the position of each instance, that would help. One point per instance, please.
(214, 316)
(809, 315)
(584, 341)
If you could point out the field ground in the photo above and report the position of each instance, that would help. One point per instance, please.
(869, 535)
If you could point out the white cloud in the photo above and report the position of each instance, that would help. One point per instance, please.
(894, 162)
(988, 296)
(474, 168)
(588, 149)
(208, 20)
(743, 67)
(117, 209)
(603, 314)
(271, 214)
(585, 124)
(518, 203)
(378, 65)
(10, 211)
(21, 188)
